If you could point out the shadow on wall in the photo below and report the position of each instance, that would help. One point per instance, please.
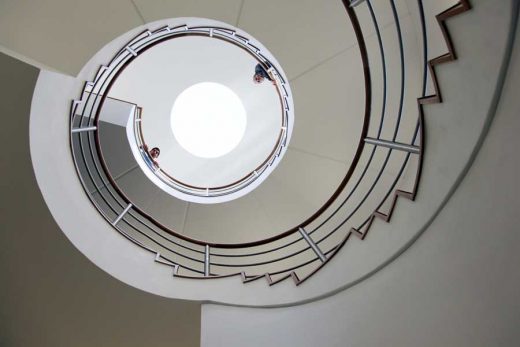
(51, 295)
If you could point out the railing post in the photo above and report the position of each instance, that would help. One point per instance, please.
(393, 145)
(122, 214)
(131, 51)
(313, 245)
(354, 3)
(79, 130)
(206, 261)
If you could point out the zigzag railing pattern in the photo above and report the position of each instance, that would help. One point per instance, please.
(394, 151)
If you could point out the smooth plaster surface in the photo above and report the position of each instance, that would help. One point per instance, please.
(157, 279)
(157, 77)
(50, 294)
(103, 239)
(454, 286)
(324, 25)
(306, 177)
(458, 285)
(63, 34)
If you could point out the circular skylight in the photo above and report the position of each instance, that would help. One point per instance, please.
(208, 120)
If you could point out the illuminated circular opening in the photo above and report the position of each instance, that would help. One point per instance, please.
(208, 120)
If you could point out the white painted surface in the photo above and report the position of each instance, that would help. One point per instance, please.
(443, 157)
(157, 77)
(457, 286)
(116, 112)
(63, 34)
(86, 229)
(223, 10)
(446, 157)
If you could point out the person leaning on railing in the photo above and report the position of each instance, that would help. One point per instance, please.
(151, 155)
(261, 74)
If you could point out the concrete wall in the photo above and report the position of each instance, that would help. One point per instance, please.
(50, 294)
(458, 285)
(447, 154)
(62, 35)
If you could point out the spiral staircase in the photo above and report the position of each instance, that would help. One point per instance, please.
(374, 156)
(296, 253)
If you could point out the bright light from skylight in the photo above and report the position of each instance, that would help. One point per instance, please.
(208, 120)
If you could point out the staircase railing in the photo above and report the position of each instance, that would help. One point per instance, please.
(389, 154)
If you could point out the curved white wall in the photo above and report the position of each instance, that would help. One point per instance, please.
(445, 160)
(459, 284)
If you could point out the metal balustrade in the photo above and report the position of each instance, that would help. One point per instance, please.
(245, 181)
(369, 186)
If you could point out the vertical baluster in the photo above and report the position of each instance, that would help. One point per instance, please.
(206, 261)
(313, 245)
